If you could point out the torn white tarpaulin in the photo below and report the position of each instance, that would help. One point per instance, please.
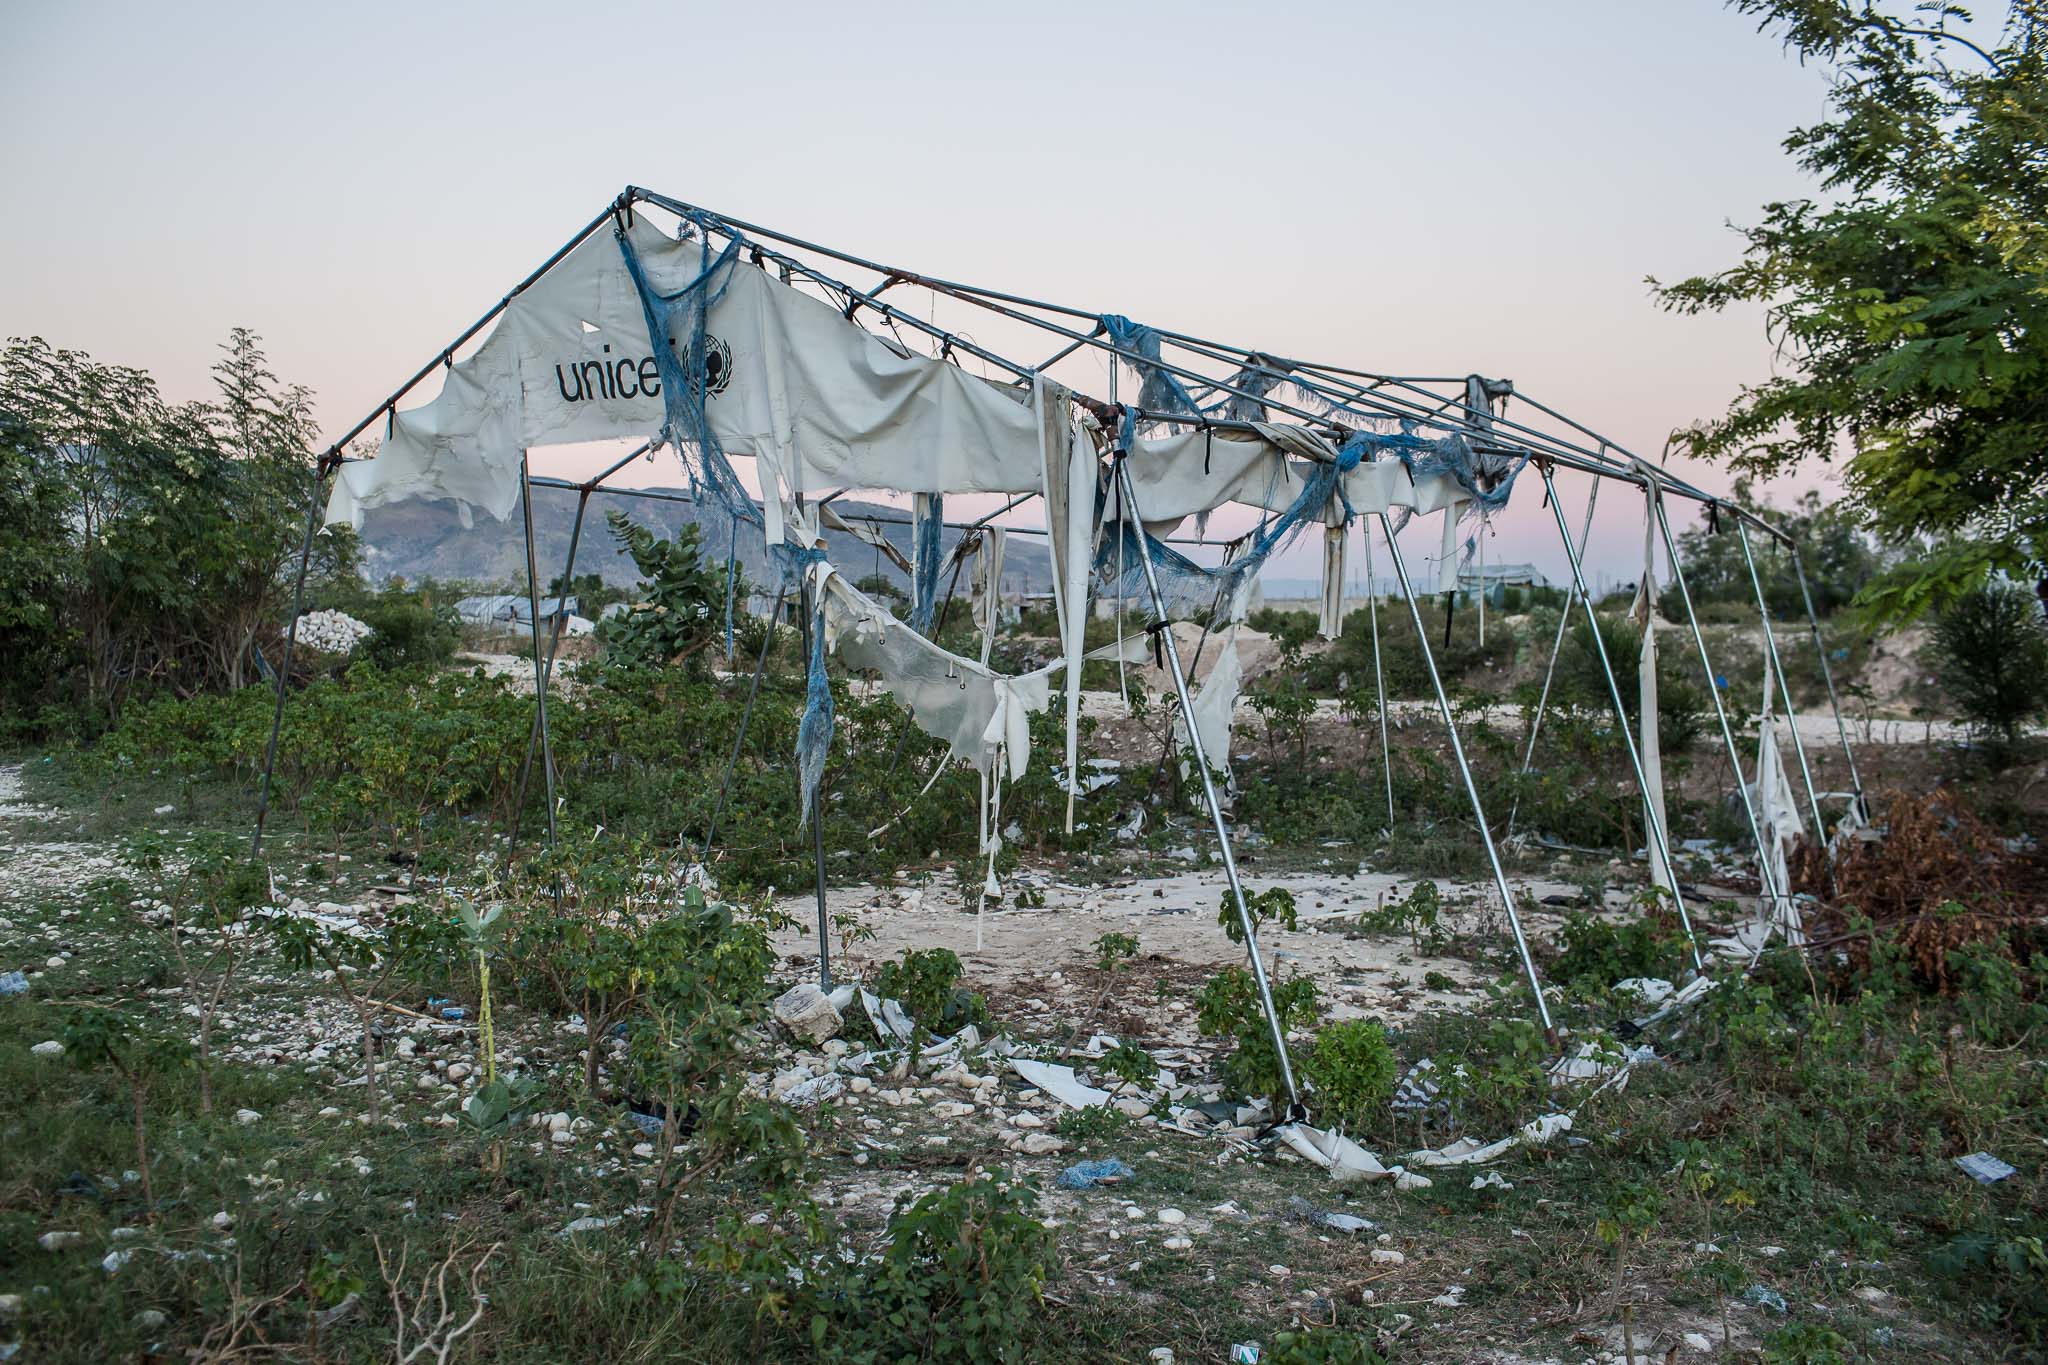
(1194, 472)
(567, 362)
(1215, 704)
(1466, 1152)
(1330, 616)
(1059, 1082)
(1649, 748)
(865, 529)
(1778, 819)
(1070, 480)
(991, 544)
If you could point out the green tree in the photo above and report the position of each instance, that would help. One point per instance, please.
(165, 529)
(1994, 660)
(685, 604)
(1908, 306)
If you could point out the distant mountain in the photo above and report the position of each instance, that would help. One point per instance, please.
(426, 539)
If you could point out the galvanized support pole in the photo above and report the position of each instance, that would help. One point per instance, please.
(1660, 843)
(284, 667)
(1772, 891)
(1129, 511)
(540, 677)
(1443, 701)
(1379, 676)
(1763, 609)
(554, 643)
(732, 761)
(1827, 676)
(810, 624)
(1564, 619)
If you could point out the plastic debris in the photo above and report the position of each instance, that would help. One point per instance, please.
(1322, 1218)
(1984, 1168)
(1491, 1181)
(1245, 1353)
(1086, 1175)
(1765, 1297)
(814, 1091)
(588, 1223)
(13, 983)
(1059, 1082)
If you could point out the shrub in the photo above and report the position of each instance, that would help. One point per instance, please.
(1114, 950)
(1599, 952)
(960, 1280)
(1993, 653)
(1274, 903)
(1350, 1066)
(1322, 1346)
(927, 984)
(1229, 1007)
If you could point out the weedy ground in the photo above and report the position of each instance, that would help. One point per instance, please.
(1780, 1188)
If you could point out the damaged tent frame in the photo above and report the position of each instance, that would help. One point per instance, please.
(1328, 392)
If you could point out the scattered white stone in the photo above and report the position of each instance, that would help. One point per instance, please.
(1870, 1293)
(59, 1241)
(562, 1137)
(51, 1048)
(1697, 1341)
(588, 1223)
(1178, 1243)
(1387, 1256)
(245, 1117)
(458, 1071)
(1170, 1217)
(150, 1319)
(806, 1014)
(1041, 1144)
(223, 1220)
(1027, 1119)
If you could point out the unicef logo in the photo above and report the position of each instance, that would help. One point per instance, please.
(717, 365)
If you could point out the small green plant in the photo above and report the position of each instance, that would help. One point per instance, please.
(1993, 651)
(1599, 952)
(1322, 1346)
(1274, 903)
(1229, 1007)
(1129, 1062)
(1419, 915)
(1350, 1068)
(926, 982)
(1806, 1343)
(1093, 1126)
(96, 1038)
(1630, 1212)
(1114, 950)
(960, 1280)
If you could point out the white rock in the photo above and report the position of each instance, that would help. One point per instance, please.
(1387, 1256)
(223, 1220)
(1027, 1119)
(558, 1122)
(1041, 1144)
(806, 1014)
(562, 1137)
(1135, 1109)
(52, 1048)
(245, 1117)
(10, 1307)
(458, 1071)
(643, 1150)
(1170, 1217)
(1697, 1341)
(58, 1241)
(1177, 1243)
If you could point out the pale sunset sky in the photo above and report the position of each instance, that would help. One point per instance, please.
(1421, 189)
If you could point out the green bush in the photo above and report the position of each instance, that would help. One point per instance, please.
(1229, 1007)
(1322, 1346)
(927, 984)
(1350, 1068)
(1599, 952)
(1993, 652)
(959, 1281)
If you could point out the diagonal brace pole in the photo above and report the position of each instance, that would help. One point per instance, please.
(1443, 701)
(1660, 843)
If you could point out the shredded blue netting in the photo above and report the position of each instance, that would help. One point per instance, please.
(814, 732)
(1192, 592)
(722, 501)
(928, 520)
(1160, 391)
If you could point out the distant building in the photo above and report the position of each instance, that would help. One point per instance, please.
(512, 610)
(1495, 579)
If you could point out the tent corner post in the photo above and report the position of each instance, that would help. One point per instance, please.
(291, 639)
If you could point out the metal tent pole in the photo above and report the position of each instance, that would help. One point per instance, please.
(1784, 691)
(1564, 619)
(1660, 844)
(554, 642)
(732, 761)
(1379, 676)
(817, 815)
(1827, 676)
(291, 638)
(540, 677)
(1763, 863)
(1443, 701)
(1129, 511)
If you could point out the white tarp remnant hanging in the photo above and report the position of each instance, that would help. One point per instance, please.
(1649, 748)
(1215, 705)
(1330, 613)
(815, 398)
(1070, 480)
(1778, 818)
